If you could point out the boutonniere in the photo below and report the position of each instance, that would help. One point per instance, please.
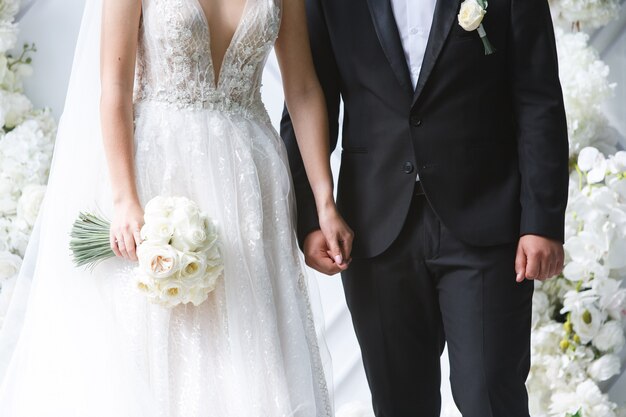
(471, 18)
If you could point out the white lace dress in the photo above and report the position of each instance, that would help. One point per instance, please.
(251, 349)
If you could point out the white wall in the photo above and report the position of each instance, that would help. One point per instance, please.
(611, 42)
(53, 25)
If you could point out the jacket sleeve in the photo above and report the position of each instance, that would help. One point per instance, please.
(328, 76)
(540, 119)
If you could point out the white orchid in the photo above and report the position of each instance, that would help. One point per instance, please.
(592, 162)
(612, 298)
(604, 367)
(585, 316)
(586, 397)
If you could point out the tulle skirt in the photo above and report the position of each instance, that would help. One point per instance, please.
(91, 344)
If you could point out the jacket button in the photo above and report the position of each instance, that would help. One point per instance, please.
(416, 121)
(408, 168)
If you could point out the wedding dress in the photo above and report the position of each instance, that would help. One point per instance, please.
(82, 343)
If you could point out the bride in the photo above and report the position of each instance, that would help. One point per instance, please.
(175, 87)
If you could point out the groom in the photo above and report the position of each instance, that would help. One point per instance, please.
(452, 256)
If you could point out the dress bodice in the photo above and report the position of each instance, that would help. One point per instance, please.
(175, 65)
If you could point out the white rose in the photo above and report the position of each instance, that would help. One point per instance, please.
(30, 202)
(471, 15)
(172, 293)
(193, 238)
(190, 228)
(197, 296)
(610, 337)
(158, 207)
(9, 265)
(158, 261)
(192, 271)
(604, 367)
(157, 230)
(145, 284)
(212, 277)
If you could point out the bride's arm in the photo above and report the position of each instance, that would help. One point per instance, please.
(120, 27)
(306, 104)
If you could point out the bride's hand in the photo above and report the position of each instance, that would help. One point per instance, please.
(338, 236)
(126, 230)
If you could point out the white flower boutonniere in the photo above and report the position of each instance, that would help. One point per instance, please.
(471, 18)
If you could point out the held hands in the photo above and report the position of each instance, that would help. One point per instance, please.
(538, 258)
(126, 230)
(328, 250)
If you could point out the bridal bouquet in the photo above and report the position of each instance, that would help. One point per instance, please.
(179, 257)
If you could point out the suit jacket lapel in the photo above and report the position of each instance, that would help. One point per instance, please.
(445, 16)
(389, 37)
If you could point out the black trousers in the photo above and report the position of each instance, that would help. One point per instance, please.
(429, 288)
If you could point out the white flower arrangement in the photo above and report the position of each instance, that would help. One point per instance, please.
(179, 256)
(584, 78)
(26, 144)
(584, 14)
(577, 317)
(578, 328)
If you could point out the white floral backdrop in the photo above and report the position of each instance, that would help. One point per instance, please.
(26, 143)
(578, 318)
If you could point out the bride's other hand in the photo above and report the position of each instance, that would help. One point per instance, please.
(338, 237)
(126, 230)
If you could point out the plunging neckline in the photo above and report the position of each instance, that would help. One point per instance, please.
(217, 73)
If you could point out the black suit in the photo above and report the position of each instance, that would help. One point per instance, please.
(488, 137)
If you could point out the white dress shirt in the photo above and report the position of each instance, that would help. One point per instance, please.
(414, 19)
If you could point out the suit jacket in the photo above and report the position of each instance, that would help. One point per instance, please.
(486, 133)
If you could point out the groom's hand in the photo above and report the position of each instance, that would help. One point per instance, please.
(317, 254)
(538, 258)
